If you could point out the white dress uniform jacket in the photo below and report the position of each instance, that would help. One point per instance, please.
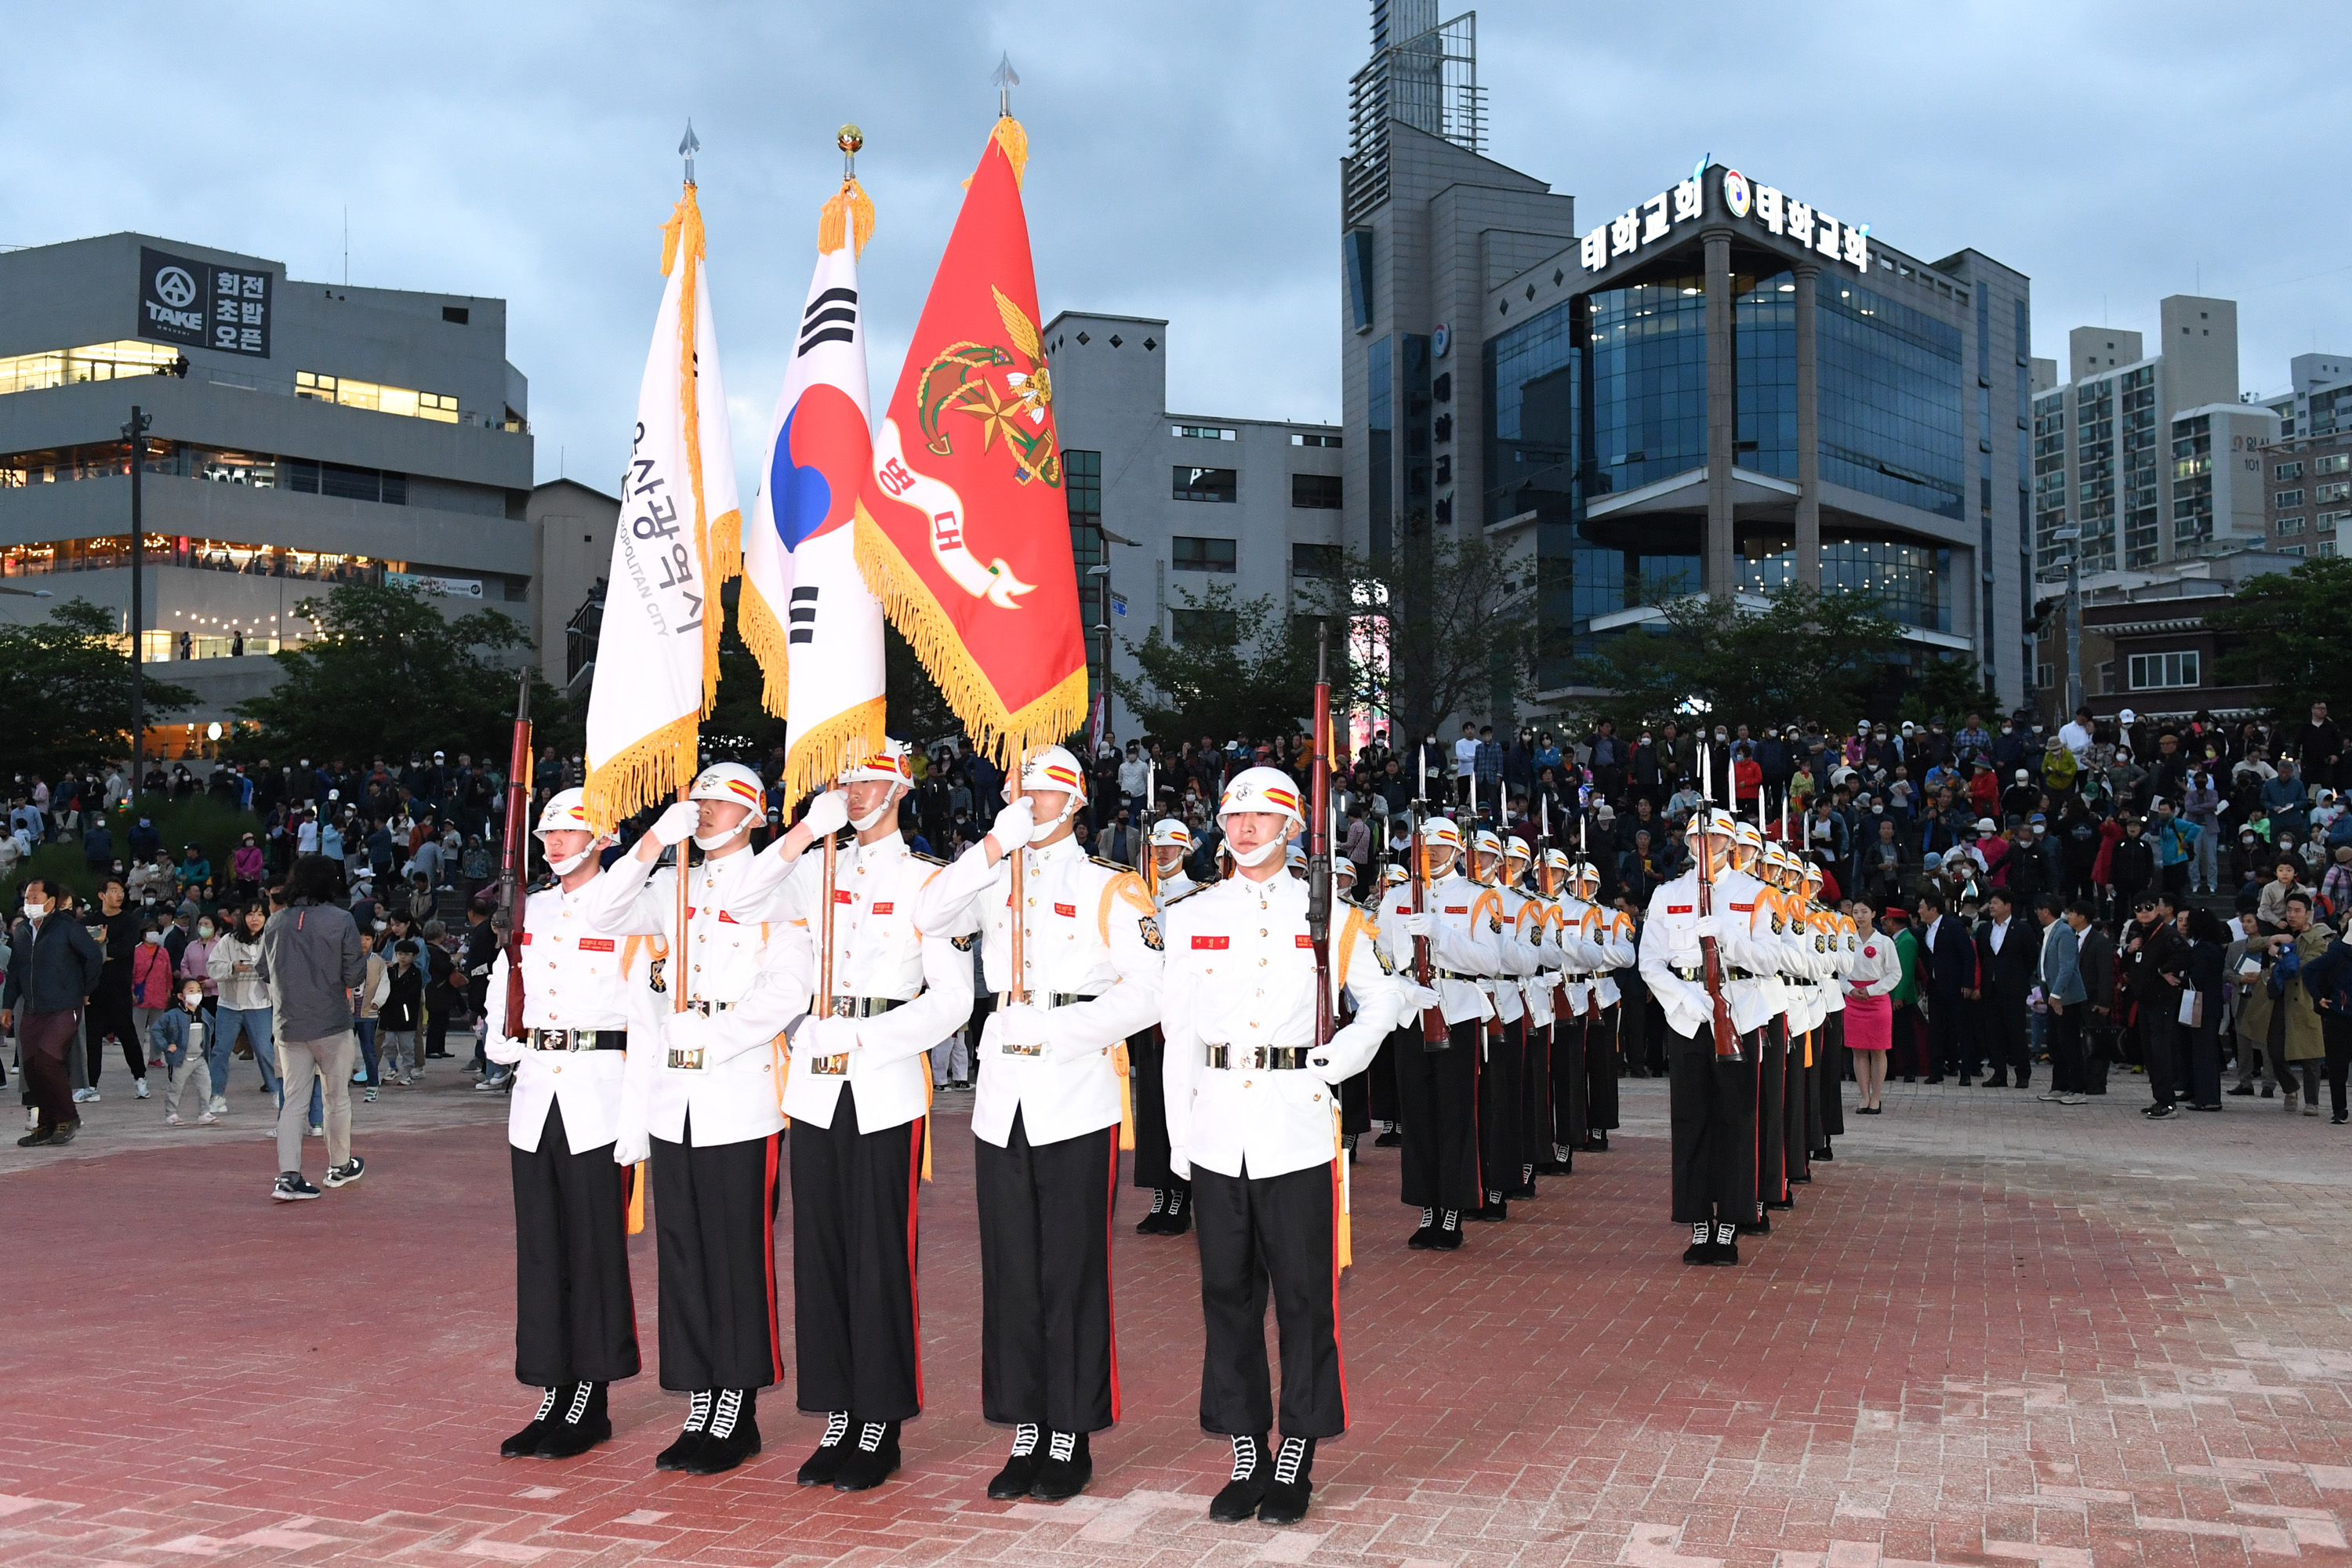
(1462, 946)
(572, 979)
(878, 952)
(1611, 932)
(1241, 973)
(1670, 942)
(1091, 931)
(1173, 888)
(732, 1096)
(1517, 960)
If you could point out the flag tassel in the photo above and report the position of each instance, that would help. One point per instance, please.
(818, 756)
(651, 768)
(848, 212)
(756, 620)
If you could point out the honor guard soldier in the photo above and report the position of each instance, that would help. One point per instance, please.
(1712, 1096)
(1609, 934)
(1793, 936)
(1250, 1119)
(1437, 1080)
(1171, 842)
(857, 1094)
(575, 1317)
(1076, 965)
(1503, 1066)
(1528, 924)
(1380, 1078)
(1563, 1114)
(1830, 1063)
(1769, 961)
(707, 1108)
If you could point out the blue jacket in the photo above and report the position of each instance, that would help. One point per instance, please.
(169, 1032)
(2060, 971)
(54, 971)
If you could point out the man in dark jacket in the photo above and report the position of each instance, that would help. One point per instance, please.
(2151, 966)
(2008, 952)
(311, 959)
(52, 965)
(1947, 983)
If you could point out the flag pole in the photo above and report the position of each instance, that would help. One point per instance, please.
(1018, 993)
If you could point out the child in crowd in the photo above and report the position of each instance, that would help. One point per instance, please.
(178, 1038)
(399, 1015)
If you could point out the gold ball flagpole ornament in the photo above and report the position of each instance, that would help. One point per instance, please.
(850, 139)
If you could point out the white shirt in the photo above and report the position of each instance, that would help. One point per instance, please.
(2074, 737)
(1876, 970)
(1998, 934)
(573, 979)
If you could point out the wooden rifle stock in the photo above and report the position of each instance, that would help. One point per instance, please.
(1726, 1038)
(1318, 842)
(514, 855)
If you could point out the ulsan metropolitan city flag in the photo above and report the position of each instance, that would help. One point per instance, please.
(805, 611)
(678, 538)
(963, 530)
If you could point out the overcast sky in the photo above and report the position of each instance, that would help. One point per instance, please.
(1183, 159)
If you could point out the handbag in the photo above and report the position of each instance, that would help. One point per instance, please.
(2193, 1009)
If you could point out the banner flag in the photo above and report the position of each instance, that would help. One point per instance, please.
(678, 539)
(963, 530)
(822, 655)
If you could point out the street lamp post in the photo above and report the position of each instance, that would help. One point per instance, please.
(2071, 537)
(1101, 574)
(135, 434)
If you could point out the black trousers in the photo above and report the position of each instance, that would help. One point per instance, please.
(1772, 1122)
(1499, 1112)
(1797, 1107)
(2001, 1023)
(854, 1235)
(2063, 1032)
(1260, 1235)
(1567, 1112)
(1356, 1102)
(1950, 1051)
(1047, 1352)
(109, 1012)
(1714, 1120)
(1437, 1096)
(1601, 1066)
(1145, 1053)
(2336, 1030)
(2158, 1047)
(1829, 1061)
(1380, 1078)
(715, 1234)
(576, 1315)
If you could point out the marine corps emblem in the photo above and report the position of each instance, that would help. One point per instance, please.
(1010, 392)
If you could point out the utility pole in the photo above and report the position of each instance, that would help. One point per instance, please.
(2071, 537)
(135, 434)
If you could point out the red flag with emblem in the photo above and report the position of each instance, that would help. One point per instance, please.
(963, 530)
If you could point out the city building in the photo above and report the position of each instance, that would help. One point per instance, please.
(571, 528)
(2129, 450)
(2319, 399)
(2307, 497)
(301, 435)
(1718, 387)
(1192, 502)
(2146, 642)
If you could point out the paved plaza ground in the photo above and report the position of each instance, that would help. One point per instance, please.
(1993, 1333)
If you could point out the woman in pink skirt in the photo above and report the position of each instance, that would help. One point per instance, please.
(1869, 1015)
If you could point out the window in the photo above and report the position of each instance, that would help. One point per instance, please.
(2341, 490)
(1204, 432)
(2333, 463)
(2286, 471)
(2291, 524)
(438, 407)
(1082, 488)
(1315, 560)
(1313, 438)
(2287, 497)
(1204, 628)
(1207, 484)
(457, 315)
(99, 362)
(344, 482)
(2155, 670)
(2327, 520)
(1190, 554)
(1315, 493)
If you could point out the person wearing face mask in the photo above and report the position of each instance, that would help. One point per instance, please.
(1046, 1114)
(859, 1094)
(53, 964)
(1172, 841)
(706, 1110)
(177, 1036)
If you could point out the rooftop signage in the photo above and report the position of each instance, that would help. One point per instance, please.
(1741, 200)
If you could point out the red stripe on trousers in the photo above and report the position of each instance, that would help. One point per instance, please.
(1339, 1353)
(1110, 1308)
(914, 1293)
(776, 1339)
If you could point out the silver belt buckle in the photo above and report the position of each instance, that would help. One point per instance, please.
(830, 1066)
(1021, 1050)
(841, 1007)
(686, 1059)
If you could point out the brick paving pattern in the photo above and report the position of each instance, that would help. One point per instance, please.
(1993, 1333)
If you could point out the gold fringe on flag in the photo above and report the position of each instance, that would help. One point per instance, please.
(816, 756)
(717, 545)
(918, 614)
(834, 224)
(1009, 135)
(755, 620)
(653, 768)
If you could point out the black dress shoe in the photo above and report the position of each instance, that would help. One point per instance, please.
(1069, 1465)
(1553, 1168)
(679, 1455)
(34, 1140)
(1823, 1154)
(1523, 1191)
(819, 1468)
(1449, 1230)
(1932, 1077)
(873, 1460)
(2243, 1092)
(1701, 1251)
(1013, 1481)
(1179, 1218)
(1761, 1225)
(1286, 1493)
(1991, 1083)
(1150, 1224)
(734, 1435)
(527, 1440)
(1496, 1208)
(1425, 1237)
(1239, 1497)
(1389, 1140)
(578, 1424)
(1727, 1255)
(1596, 1142)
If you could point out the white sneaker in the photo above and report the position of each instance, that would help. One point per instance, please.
(206, 1120)
(218, 1106)
(317, 1132)
(2071, 1099)
(141, 1085)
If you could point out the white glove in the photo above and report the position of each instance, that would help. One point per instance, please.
(1180, 1164)
(632, 1144)
(676, 823)
(828, 814)
(1013, 825)
(1420, 925)
(684, 1031)
(1708, 927)
(1017, 1026)
(1421, 999)
(824, 1038)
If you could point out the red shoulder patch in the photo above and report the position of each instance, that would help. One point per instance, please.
(1305, 941)
(595, 944)
(1215, 942)
(526, 939)
(1069, 910)
(885, 907)
(1678, 909)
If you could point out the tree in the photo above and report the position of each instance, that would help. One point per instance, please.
(2292, 632)
(68, 685)
(1950, 689)
(1237, 667)
(388, 674)
(1805, 654)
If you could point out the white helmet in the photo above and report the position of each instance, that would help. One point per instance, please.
(1516, 848)
(1295, 858)
(1170, 834)
(1441, 833)
(892, 761)
(736, 785)
(1396, 876)
(1261, 789)
(1052, 768)
(567, 811)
